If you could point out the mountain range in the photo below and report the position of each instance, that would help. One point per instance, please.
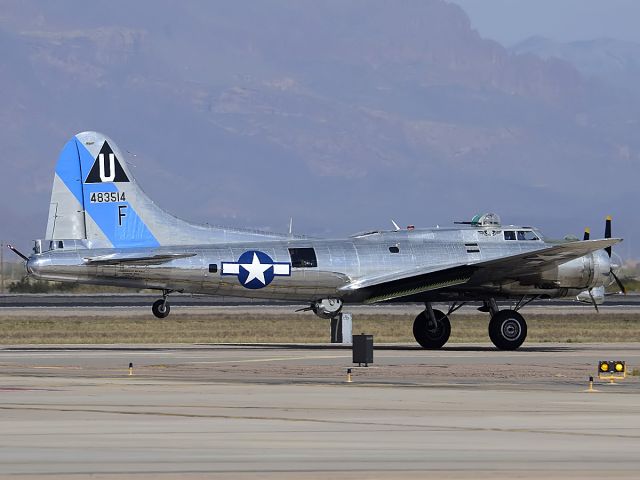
(343, 114)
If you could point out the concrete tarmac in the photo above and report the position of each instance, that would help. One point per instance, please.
(286, 411)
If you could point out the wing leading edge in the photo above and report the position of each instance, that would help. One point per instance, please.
(419, 280)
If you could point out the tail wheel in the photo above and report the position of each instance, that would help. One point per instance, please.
(160, 309)
(507, 329)
(429, 335)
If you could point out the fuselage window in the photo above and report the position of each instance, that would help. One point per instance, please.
(213, 268)
(55, 245)
(509, 235)
(527, 235)
(303, 257)
(394, 249)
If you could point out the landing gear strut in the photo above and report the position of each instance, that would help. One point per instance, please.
(161, 308)
(431, 328)
(507, 328)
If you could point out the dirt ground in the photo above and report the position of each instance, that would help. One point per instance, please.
(262, 325)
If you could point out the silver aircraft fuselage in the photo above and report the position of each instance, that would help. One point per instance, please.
(338, 264)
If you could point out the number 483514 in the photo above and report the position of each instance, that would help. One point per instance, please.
(107, 197)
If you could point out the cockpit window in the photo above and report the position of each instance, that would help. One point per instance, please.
(527, 235)
(520, 235)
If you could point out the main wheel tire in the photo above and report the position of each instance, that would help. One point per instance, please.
(507, 329)
(160, 309)
(428, 336)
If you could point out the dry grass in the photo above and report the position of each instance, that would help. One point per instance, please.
(254, 328)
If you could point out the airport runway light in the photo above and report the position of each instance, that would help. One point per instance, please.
(612, 370)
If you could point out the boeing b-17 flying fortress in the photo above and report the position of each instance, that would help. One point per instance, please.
(103, 229)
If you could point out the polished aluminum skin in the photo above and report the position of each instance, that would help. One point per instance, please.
(104, 230)
(340, 263)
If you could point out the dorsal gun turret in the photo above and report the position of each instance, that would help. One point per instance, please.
(486, 220)
(483, 220)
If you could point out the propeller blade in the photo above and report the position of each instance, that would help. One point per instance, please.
(587, 234)
(593, 301)
(620, 284)
(607, 233)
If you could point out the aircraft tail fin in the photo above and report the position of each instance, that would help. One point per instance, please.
(96, 198)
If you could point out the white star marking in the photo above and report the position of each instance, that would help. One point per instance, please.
(256, 270)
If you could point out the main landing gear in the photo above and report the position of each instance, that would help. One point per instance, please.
(161, 308)
(507, 328)
(431, 328)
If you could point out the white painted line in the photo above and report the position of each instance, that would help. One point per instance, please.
(275, 359)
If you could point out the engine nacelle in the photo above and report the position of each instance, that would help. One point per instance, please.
(590, 271)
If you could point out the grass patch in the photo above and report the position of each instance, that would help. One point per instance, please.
(297, 328)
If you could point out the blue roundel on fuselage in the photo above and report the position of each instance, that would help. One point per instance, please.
(255, 269)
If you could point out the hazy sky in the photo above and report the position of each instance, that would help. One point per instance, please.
(341, 121)
(509, 21)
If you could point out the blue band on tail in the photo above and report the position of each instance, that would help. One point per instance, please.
(118, 221)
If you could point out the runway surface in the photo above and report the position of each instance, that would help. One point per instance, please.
(286, 411)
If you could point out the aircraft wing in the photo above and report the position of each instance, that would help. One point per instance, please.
(418, 280)
(135, 259)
